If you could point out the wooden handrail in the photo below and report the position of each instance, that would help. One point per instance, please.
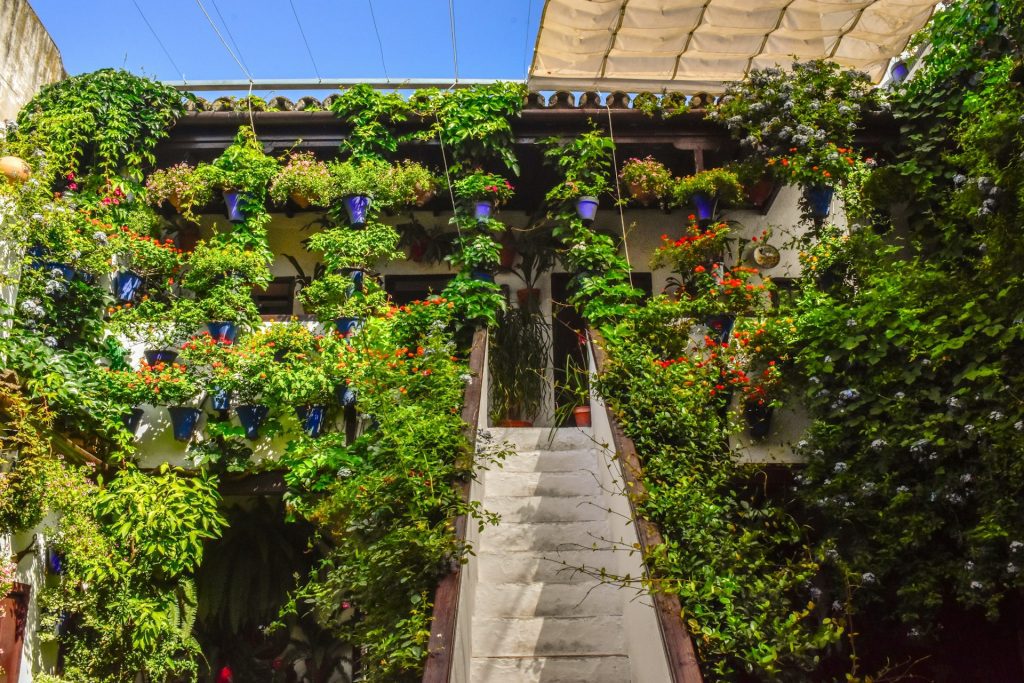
(441, 648)
(682, 658)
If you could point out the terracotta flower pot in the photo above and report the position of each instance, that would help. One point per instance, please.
(301, 200)
(15, 169)
(175, 201)
(643, 196)
(582, 416)
(515, 423)
(423, 196)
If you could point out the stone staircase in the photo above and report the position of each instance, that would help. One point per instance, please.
(535, 620)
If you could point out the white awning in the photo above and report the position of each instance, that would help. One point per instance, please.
(696, 45)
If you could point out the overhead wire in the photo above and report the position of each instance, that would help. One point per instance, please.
(526, 38)
(455, 47)
(241, 66)
(227, 27)
(302, 33)
(380, 43)
(618, 190)
(158, 41)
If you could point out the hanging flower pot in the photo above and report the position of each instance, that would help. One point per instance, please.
(220, 400)
(184, 421)
(54, 562)
(312, 418)
(251, 417)
(132, 419)
(899, 72)
(160, 356)
(641, 194)
(422, 195)
(346, 396)
(766, 256)
(483, 209)
(586, 209)
(223, 332)
(356, 206)
(358, 277)
(348, 325)
(759, 418)
(721, 326)
(819, 200)
(15, 169)
(58, 270)
(126, 285)
(703, 206)
(175, 201)
(582, 416)
(300, 200)
(233, 201)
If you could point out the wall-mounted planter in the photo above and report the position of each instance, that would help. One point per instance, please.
(220, 400)
(819, 200)
(721, 326)
(586, 209)
(126, 285)
(482, 210)
(160, 356)
(357, 206)
(348, 325)
(132, 419)
(223, 332)
(899, 72)
(251, 417)
(759, 418)
(704, 206)
(233, 202)
(346, 396)
(312, 418)
(184, 421)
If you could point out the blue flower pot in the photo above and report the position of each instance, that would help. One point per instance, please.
(312, 418)
(482, 276)
(126, 285)
(132, 420)
(819, 200)
(62, 270)
(233, 201)
(358, 278)
(160, 356)
(483, 209)
(899, 72)
(346, 396)
(347, 326)
(251, 417)
(220, 400)
(184, 421)
(586, 209)
(54, 562)
(223, 332)
(721, 327)
(356, 206)
(704, 206)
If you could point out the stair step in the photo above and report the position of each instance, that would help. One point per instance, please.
(598, 669)
(547, 508)
(542, 438)
(546, 536)
(550, 566)
(541, 636)
(551, 461)
(500, 483)
(509, 600)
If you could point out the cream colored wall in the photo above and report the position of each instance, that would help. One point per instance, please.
(29, 59)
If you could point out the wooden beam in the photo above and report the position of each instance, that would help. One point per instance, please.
(441, 647)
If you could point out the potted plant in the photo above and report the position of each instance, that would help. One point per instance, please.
(172, 385)
(221, 309)
(183, 186)
(304, 180)
(214, 263)
(537, 256)
(817, 171)
(360, 250)
(647, 179)
(140, 259)
(483, 192)
(302, 381)
(517, 360)
(125, 388)
(357, 182)
(585, 164)
(425, 245)
(696, 247)
(242, 172)
(574, 394)
(476, 252)
(705, 190)
(332, 298)
(412, 184)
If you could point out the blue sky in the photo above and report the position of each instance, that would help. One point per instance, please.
(495, 38)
